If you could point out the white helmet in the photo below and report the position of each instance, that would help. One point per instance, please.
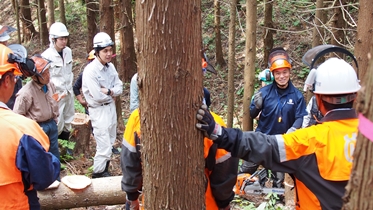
(102, 40)
(57, 30)
(4, 32)
(336, 77)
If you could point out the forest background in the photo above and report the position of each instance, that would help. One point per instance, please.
(237, 41)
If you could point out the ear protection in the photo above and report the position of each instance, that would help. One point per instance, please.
(268, 76)
(25, 65)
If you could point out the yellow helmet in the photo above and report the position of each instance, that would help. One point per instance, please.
(91, 55)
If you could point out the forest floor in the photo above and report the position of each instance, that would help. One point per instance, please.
(296, 44)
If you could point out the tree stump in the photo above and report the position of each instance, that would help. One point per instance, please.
(81, 134)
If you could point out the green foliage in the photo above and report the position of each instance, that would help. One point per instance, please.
(303, 72)
(66, 146)
(243, 203)
(78, 107)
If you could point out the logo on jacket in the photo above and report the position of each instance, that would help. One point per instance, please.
(290, 102)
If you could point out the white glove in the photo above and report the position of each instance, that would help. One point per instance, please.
(290, 130)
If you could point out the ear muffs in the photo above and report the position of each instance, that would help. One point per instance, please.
(25, 65)
(268, 76)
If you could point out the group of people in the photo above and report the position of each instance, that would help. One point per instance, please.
(319, 157)
(43, 109)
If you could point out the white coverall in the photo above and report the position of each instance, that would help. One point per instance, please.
(62, 77)
(101, 108)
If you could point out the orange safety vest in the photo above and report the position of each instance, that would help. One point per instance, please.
(13, 127)
(133, 126)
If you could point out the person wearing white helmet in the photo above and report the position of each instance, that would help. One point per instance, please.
(61, 76)
(101, 84)
(320, 156)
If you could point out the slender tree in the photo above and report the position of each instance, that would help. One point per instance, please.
(364, 33)
(50, 12)
(218, 47)
(338, 25)
(267, 33)
(358, 193)
(231, 60)
(61, 5)
(28, 29)
(250, 52)
(92, 10)
(16, 9)
(170, 93)
(43, 29)
(128, 64)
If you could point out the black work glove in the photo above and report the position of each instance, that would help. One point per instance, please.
(207, 124)
(258, 100)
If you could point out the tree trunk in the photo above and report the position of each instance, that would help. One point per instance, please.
(231, 61)
(43, 31)
(268, 33)
(128, 60)
(169, 44)
(338, 26)
(81, 134)
(28, 28)
(363, 36)
(50, 12)
(16, 10)
(92, 13)
(61, 5)
(102, 191)
(250, 53)
(358, 193)
(289, 191)
(218, 47)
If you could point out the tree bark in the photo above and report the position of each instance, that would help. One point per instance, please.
(358, 193)
(218, 47)
(28, 28)
(43, 29)
(102, 191)
(363, 36)
(92, 13)
(16, 10)
(268, 33)
(250, 53)
(231, 61)
(50, 12)
(61, 5)
(170, 85)
(128, 64)
(338, 26)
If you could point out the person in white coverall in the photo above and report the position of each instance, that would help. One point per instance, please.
(101, 85)
(61, 75)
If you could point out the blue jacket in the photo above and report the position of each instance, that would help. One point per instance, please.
(279, 112)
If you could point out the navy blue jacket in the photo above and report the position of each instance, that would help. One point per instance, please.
(279, 111)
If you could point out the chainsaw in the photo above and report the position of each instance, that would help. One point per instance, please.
(255, 184)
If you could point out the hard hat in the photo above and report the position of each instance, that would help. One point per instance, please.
(57, 30)
(4, 32)
(336, 77)
(206, 65)
(41, 64)
(278, 58)
(5, 65)
(102, 40)
(18, 50)
(91, 55)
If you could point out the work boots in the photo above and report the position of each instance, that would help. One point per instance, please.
(105, 173)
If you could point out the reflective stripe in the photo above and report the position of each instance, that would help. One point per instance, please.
(130, 147)
(223, 158)
(281, 147)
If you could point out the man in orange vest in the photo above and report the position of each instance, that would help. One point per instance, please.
(320, 156)
(219, 188)
(26, 165)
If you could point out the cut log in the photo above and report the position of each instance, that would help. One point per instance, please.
(102, 191)
(81, 134)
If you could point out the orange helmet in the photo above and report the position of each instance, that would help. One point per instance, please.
(41, 64)
(91, 55)
(5, 65)
(278, 58)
